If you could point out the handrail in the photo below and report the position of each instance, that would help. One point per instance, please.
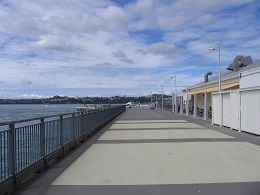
(25, 150)
(48, 116)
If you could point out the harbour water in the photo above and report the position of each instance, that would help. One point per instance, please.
(12, 112)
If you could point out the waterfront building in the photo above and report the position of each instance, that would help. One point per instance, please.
(201, 99)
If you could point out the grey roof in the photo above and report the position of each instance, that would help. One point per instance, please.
(227, 75)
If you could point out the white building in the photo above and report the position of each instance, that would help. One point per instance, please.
(200, 95)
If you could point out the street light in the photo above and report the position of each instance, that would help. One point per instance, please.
(219, 85)
(152, 99)
(219, 70)
(175, 98)
(156, 99)
(162, 95)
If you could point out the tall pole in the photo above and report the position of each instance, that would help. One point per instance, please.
(156, 99)
(162, 96)
(176, 107)
(152, 99)
(172, 103)
(219, 69)
(219, 86)
(175, 98)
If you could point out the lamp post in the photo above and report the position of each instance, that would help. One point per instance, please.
(152, 99)
(219, 87)
(162, 95)
(175, 98)
(156, 99)
(219, 69)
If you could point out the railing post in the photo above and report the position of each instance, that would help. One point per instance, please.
(74, 129)
(82, 125)
(61, 134)
(73, 126)
(42, 143)
(12, 153)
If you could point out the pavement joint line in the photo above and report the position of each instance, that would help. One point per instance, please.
(137, 128)
(167, 140)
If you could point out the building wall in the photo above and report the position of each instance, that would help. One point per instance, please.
(250, 78)
(215, 84)
(200, 100)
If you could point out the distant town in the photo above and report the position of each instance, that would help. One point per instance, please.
(88, 100)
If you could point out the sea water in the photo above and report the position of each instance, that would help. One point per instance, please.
(13, 112)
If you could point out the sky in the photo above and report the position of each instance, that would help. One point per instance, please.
(119, 47)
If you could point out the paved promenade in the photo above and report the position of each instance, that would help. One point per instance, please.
(154, 152)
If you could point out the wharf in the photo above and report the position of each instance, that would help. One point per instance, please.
(154, 152)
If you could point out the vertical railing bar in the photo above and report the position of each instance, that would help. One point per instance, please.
(82, 124)
(61, 134)
(19, 149)
(46, 134)
(5, 142)
(53, 138)
(50, 130)
(24, 150)
(42, 142)
(12, 153)
(35, 142)
(30, 145)
(47, 137)
(22, 146)
(35, 138)
(27, 147)
(6, 154)
(73, 127)
(2, 136)
(1, 159)
(39, 141)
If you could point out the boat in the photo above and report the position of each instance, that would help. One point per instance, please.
(129, 104)
(85, 108)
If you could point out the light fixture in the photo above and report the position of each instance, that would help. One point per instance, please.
(219, 69)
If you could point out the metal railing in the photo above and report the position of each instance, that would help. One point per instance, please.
(27, 142)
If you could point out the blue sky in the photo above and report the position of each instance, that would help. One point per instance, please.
(119, 47)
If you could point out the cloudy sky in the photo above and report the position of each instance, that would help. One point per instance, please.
(119, 47)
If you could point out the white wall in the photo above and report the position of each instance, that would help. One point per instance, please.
(245, 100)
(250, 78)
(250, 111)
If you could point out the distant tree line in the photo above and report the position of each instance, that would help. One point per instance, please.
(85, 100)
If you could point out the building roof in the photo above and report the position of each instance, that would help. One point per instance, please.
(227, 75)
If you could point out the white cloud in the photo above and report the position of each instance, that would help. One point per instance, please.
(162, 48)
(26, 82)
(52, 43)
(173, 23)
(122, 57)
(31, 96)
(119, 54)
(114, 17)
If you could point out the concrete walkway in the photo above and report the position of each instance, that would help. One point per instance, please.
(151, 152)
